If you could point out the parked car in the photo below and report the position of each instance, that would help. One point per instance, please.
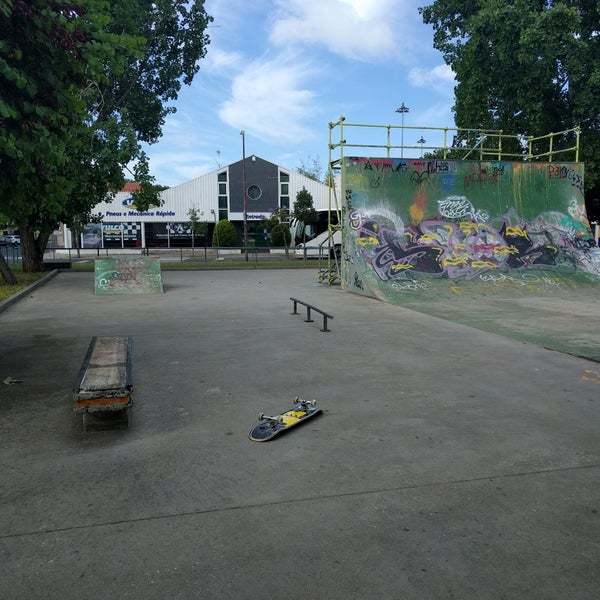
(92, 239)
(10, 240)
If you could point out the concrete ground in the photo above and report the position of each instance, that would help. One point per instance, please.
(450, 462)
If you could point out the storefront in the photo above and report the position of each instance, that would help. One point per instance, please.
(215, 196)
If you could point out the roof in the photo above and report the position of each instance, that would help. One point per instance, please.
(131, 186)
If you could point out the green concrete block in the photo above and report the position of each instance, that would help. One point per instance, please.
(128, 275)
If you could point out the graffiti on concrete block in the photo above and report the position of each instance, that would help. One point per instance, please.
(128, 275)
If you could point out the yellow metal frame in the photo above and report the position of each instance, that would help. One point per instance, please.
(487, 144)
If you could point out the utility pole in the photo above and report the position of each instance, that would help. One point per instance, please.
(243, 134)
(402, 109)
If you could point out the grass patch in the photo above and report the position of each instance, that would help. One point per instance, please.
(218, 265)
(23, 280)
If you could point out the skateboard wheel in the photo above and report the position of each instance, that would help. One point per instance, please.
(261, 416)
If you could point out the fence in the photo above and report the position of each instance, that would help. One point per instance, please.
(226, 255)
(11, 253)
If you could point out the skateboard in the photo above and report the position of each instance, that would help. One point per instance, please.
(270, 427)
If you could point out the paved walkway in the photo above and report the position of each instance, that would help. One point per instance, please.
(449, 463)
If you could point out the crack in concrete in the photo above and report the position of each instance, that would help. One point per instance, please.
(190, 513)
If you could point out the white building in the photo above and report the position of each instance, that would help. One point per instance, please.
(215, 196)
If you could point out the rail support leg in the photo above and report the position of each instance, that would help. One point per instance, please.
(308, 319)
(325, 324)
(295, 308)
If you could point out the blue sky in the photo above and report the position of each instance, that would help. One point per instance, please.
(282, 69)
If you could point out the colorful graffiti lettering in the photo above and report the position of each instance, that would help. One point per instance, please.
(442, 219)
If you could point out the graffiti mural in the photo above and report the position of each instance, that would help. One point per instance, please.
(409, 221)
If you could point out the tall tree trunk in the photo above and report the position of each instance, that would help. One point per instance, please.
(7, 274)
(33, 246)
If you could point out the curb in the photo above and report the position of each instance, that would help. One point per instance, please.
(26, 291)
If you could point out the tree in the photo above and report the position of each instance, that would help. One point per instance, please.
(7, 275)
(83, 84)
(278, 226)
(224, 234)
(6, 272)
(304, 210)
(281, 236)
(281, 216)
(311, 168)
(526, 66)
(199, 228)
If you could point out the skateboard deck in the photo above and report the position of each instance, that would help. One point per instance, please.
(270, 427)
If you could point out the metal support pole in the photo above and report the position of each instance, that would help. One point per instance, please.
(577, 134)
(445, 143)
(389, 140)
(308, 319)
(500, 146)
(551, 146)
(243, 134)
(324, 324)
(402, 136)
(344, 205)
(295, 307)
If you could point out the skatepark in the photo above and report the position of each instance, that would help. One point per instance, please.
(449, 461)
(457, 372)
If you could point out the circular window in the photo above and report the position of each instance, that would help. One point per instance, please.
(254, 192)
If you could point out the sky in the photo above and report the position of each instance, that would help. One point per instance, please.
(283, 69)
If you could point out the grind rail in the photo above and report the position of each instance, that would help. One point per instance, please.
(309, 308)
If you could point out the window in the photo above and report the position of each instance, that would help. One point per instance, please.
(222, 215)
(254, 192)
(223, 202)
(283, 176)
(222, 176)
(285, 189)
(223, 189)
(285, 202)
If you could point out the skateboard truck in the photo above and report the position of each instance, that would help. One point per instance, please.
(263, 417)
(305, 403)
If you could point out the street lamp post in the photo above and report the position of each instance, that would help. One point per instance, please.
(422, 141)
(402, 109)
(243, 134)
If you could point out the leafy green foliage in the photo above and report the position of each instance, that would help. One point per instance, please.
(224, 234)
(304, 209)
(278, 217)
(280, 235)
(199, 228)
(526, 66)
(83, 84)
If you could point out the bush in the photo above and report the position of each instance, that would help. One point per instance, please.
(280, 235)
(224, 234)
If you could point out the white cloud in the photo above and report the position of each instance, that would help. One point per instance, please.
(357, 29)
(171, 168)
(440, 78)
(270, 100)
(221, 62)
